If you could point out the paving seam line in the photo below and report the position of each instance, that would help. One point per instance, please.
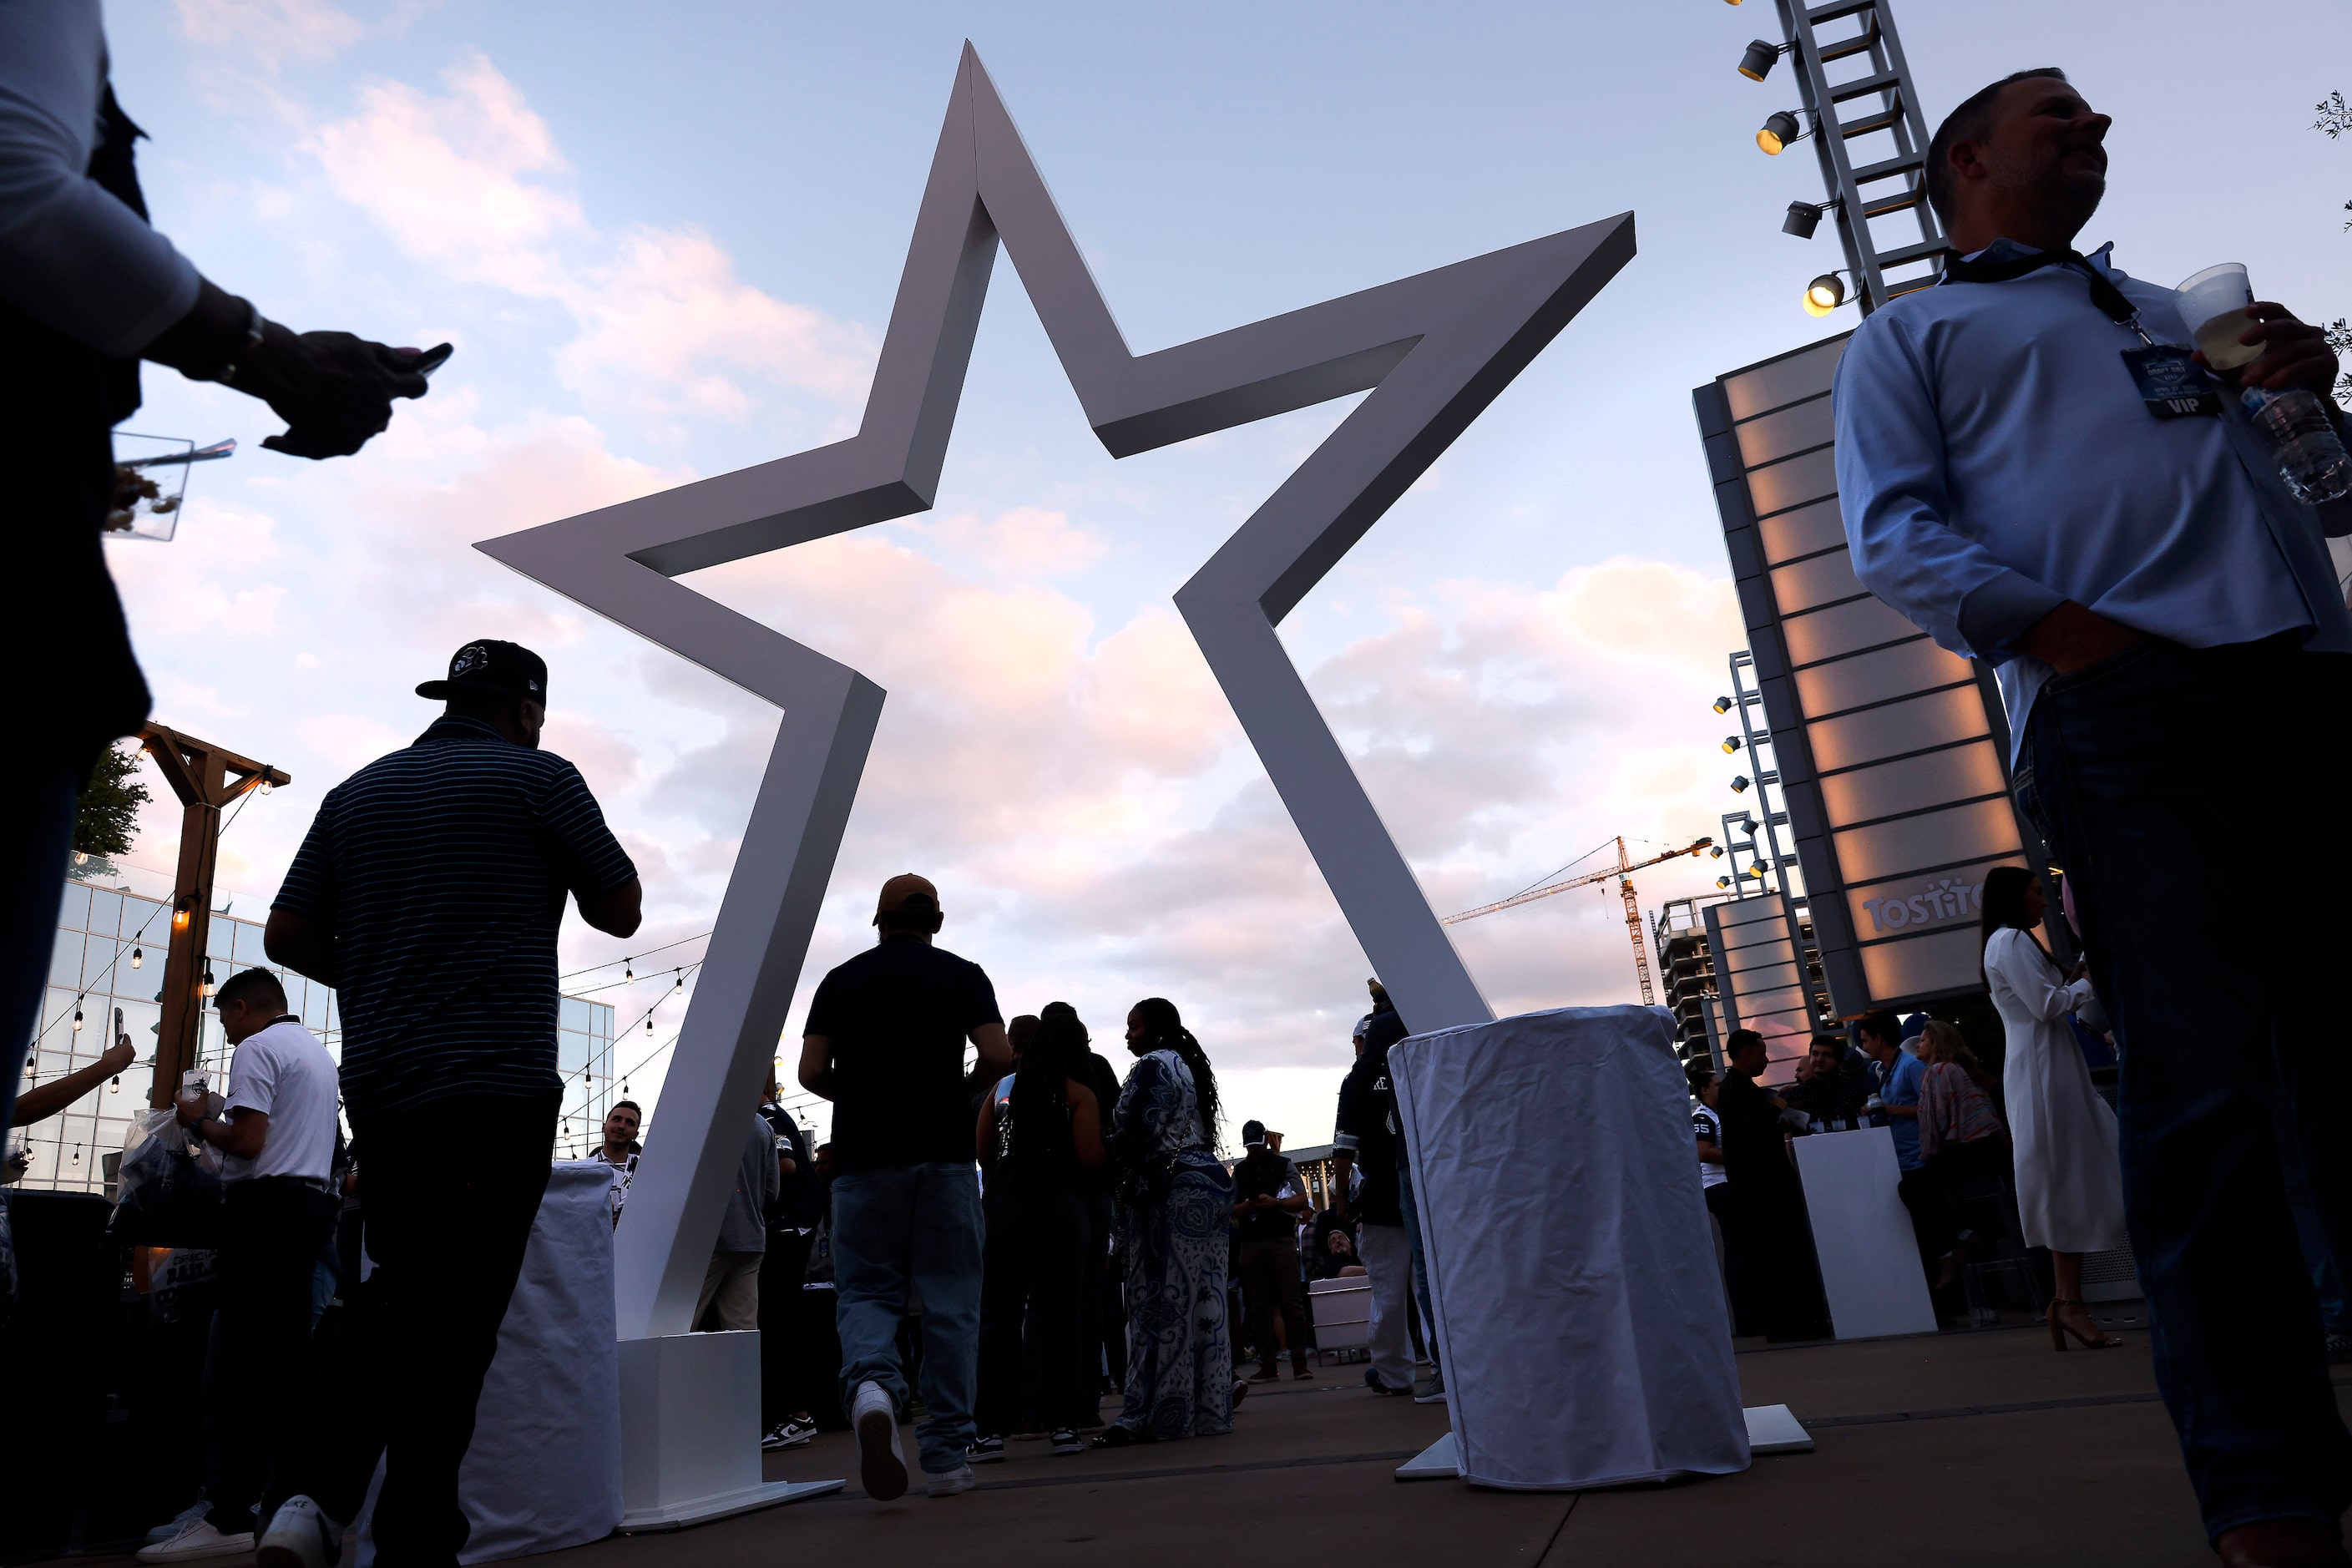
(1097, 1478)
(2085, 1401)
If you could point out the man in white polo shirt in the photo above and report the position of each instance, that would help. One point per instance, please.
(276, 1131)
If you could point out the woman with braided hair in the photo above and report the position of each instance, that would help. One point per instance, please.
(1175, 1210)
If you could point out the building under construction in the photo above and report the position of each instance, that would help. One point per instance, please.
(1686, 973)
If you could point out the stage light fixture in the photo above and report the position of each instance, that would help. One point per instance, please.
(1730, 745)
(1739, 783)
(1723, 881)
(1755, 871)
(1757, 62)
(1802, 219)
(1779, 129)
(1824, 294)
(1715, 853)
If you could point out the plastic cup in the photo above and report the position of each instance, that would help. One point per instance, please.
(2213, 306)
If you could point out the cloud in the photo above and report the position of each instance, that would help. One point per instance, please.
(670, 306)
(471, 184)
(452, 180)
(1023, 542)
(271, 31)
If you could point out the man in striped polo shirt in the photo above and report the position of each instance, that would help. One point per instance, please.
(428, 893)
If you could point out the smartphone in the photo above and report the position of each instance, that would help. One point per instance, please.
(433, 359)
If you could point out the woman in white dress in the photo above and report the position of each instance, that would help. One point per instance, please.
(2070, 1193)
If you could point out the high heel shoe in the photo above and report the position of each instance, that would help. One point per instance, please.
(2059, 1329)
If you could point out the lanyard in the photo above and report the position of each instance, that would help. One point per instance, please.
(2104, 293)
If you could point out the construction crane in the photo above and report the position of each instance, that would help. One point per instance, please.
(1623, 871)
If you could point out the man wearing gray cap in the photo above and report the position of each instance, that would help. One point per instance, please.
(430, 893)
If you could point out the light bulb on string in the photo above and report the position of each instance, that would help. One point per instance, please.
(265, 785)
(681, 980)
(628, 971)
(649, 1023)
(138, 956)
(77, 1015)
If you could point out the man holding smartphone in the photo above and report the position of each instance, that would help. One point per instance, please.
(87, 291)
(277, 1210)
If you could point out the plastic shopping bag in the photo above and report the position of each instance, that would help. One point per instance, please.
(165, 1197)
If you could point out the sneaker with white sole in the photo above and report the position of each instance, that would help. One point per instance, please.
(881, 1463)
(948, 1483)
(1435, 1392)
(299, 1535)
(196, 1539)
(791, 1432)
(985, 1451)
(179, 1522)
(1067, 1441)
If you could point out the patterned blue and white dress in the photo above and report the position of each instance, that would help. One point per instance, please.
(1179, 1365)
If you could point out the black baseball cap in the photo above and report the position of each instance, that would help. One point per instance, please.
(1253, 1133)
(503, 669)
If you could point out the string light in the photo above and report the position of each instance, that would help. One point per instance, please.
(265, 785)
(649, 1023)
(77, 1014)
(206, 988)
(628, 970)
(138, 957)
(681, 981)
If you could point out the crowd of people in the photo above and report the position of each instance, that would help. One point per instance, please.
(1034, 1203)
(2046, 1171)
(2032, 466)
(1001, 1241)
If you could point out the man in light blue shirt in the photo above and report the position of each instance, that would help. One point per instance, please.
(2177, 663)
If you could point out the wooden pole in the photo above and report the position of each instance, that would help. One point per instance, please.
(206, 778)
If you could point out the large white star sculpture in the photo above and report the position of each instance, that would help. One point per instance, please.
(1435, 350)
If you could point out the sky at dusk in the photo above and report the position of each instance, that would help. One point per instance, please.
(666, 240)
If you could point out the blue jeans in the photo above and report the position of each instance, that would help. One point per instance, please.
(919, 1224)
(2167, 782)
(1419, 1262)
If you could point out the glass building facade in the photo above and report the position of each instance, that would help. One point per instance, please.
(110, 943)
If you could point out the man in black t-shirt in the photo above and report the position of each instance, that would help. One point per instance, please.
(1267, 1201)
(884, 1042)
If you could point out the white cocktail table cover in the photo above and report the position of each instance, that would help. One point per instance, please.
(1570, 1264)
(544, 1471)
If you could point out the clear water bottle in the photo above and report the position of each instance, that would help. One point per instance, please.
(2311, 459)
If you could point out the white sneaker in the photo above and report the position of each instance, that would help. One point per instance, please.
(300, 1535)
(881, 1463)
(179, 1522)
(947, 1483)
(197, 1539)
